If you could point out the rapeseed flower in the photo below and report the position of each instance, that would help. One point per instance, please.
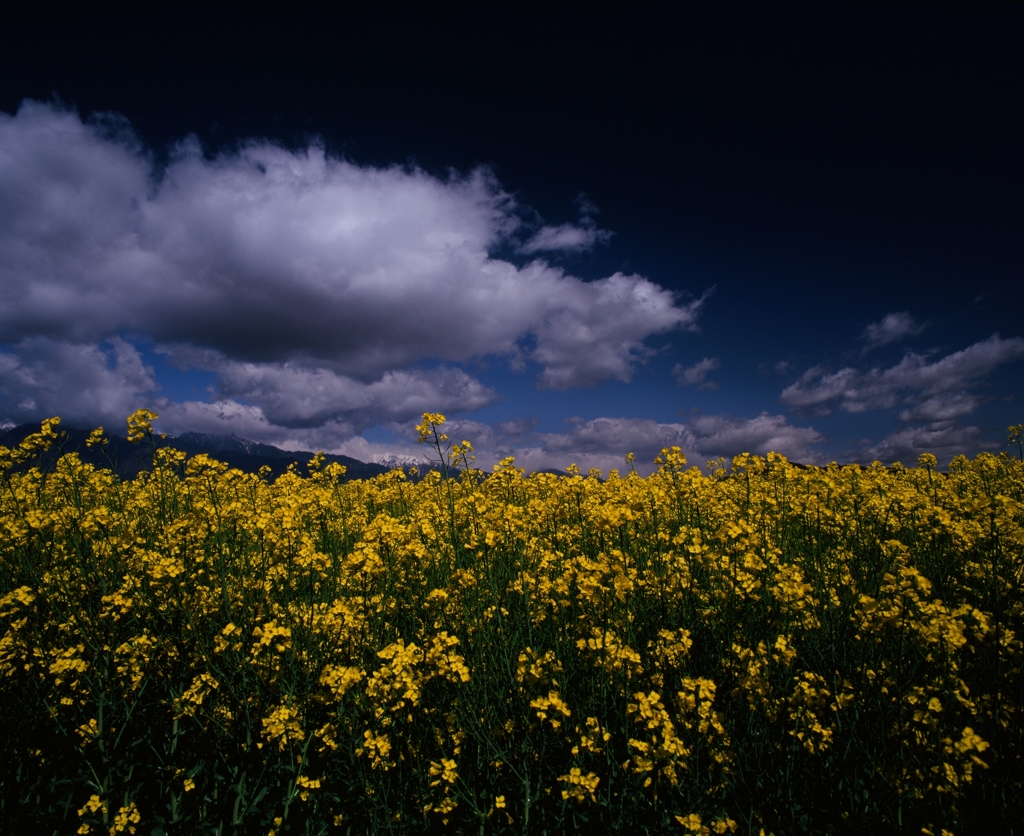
(438, 649)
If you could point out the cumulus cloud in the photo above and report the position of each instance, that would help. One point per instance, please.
(720, 435)
(281, 404)
(294, 396)
(696, 375)
(317, 286)
(891, 328)
(83, 384)
(227, 417)
(584, 341)
(933, 388)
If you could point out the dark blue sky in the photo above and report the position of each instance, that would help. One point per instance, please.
(736, 227)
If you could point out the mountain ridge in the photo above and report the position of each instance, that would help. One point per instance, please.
(128, 460)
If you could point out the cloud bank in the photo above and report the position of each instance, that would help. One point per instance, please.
(943, 439)
(604, 442)
(317, 290)
(931, 389)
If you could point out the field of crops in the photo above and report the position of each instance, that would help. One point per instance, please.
(768, 648)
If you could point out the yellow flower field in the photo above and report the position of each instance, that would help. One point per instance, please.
(769, 648)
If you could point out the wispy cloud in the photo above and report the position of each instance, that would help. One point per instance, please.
(565, 237)
(696, 375)
(891, 328)
(279, 267)
(929, 388)
(571, 238)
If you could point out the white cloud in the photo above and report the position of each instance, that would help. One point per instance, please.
(222, 417)
(696, 375)
(583, 341)
(292, 266)
(931, 387)
(566, 237)
(891, 328)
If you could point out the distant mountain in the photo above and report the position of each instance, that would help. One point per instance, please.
(229, 443)
(391, 462)
(128, 460)
(249, 456)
